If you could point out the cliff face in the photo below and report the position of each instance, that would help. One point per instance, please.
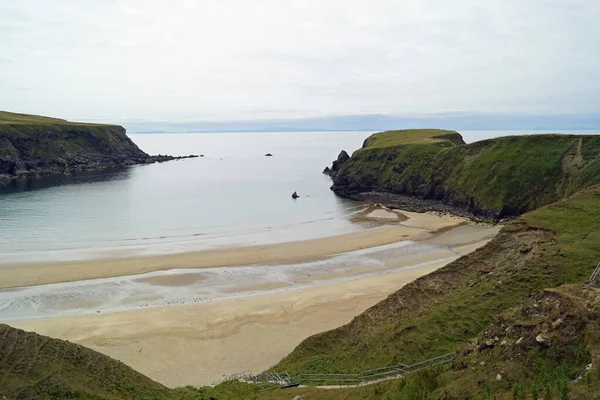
(495, 178)
(31, 145)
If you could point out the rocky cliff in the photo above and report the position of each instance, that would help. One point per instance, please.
(494, 178)
(32, 145)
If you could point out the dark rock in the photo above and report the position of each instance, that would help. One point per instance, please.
(542, 341)
(29, 150)
(337, 164)
(411, 203)
(162, 158)
(295, 195)
(268, 155)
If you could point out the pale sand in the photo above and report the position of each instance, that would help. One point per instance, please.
(384, 214)
(198, 344)
(431, 221)
(418, 226)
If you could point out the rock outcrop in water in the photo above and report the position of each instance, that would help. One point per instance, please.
(34, 146)
(337, 164)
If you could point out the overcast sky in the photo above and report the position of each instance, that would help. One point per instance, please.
(180, 60)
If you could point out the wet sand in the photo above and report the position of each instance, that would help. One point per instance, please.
(418, 226)
(198, 344)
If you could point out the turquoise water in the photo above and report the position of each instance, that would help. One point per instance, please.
(232, 196)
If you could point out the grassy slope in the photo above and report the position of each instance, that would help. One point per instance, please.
(499, 177)
(557, 244)
(567, 316)
(435, 137)
(34, 366)
(28, 119)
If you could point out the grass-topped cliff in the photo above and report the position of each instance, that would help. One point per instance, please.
(32, 145)
(496, 178)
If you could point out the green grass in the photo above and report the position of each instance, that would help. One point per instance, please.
(435, 137)
(7, 118)
(35, 366)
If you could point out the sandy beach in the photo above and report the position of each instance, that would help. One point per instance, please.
(198, 344)
(270, 298)
(417, 226)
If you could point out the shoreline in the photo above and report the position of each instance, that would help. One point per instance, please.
(421, 205)
(418, 226)
(258, 320)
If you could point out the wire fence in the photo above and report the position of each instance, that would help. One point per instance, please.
(272, 380)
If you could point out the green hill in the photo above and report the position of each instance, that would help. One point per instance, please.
(14, 118)
(32, 145)
(38, 367)
(494, 178)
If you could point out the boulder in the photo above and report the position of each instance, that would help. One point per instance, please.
(295, 195)
(268, 155)
(542, 341)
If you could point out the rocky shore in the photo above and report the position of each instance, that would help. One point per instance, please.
(417, 204)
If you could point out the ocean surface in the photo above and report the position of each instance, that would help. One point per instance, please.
(232, 196)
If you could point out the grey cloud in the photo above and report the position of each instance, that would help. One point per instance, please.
(188, 60)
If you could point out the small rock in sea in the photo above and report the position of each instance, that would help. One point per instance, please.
(268, 155)
(295, 195)
(201, 155)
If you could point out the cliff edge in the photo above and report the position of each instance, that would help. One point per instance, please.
(34, 145)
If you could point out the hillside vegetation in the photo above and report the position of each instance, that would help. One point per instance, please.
(14, 118)
(494, 178)
(37, 367)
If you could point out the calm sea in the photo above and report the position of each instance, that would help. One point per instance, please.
(232, 196)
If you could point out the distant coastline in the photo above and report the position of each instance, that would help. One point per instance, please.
(373, 123)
